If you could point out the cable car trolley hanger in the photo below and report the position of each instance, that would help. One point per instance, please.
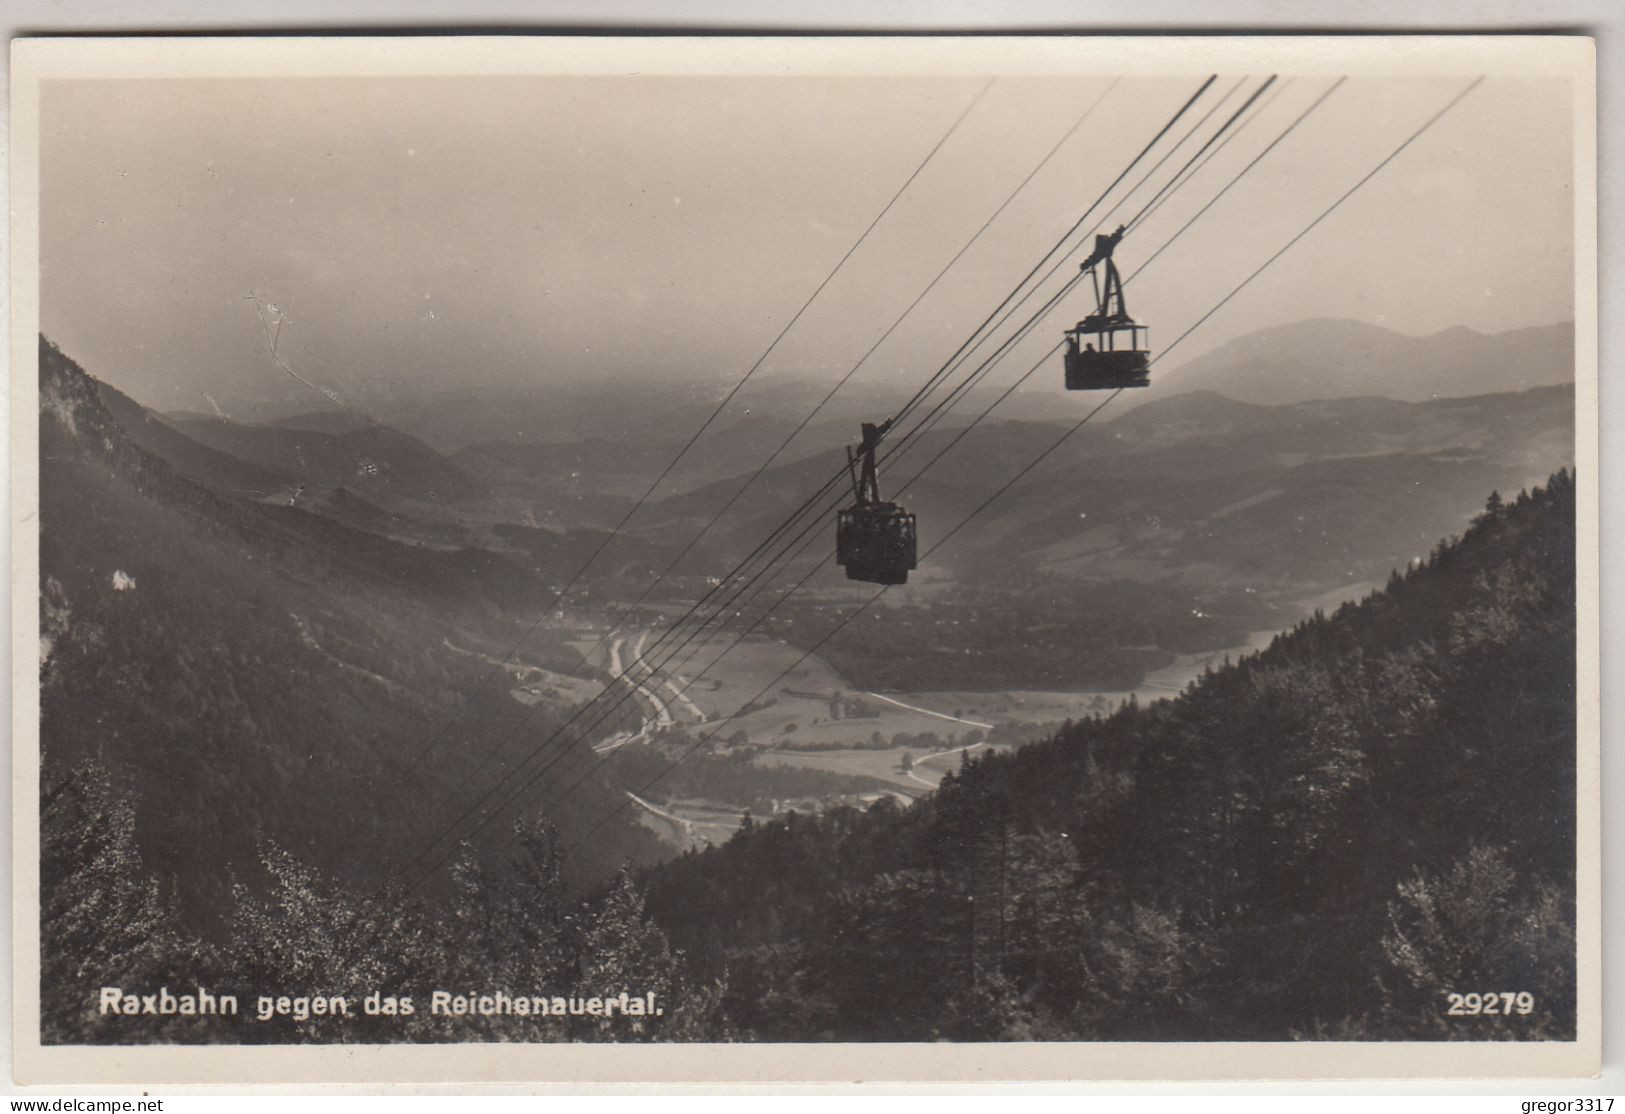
(1107, 350)
(875, 541)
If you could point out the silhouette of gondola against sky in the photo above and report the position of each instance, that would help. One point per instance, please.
(1107, 350)
(875, 540)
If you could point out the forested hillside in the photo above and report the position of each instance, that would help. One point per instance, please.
(1324, 839)
(248, 672)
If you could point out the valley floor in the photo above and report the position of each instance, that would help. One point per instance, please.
(760, 699)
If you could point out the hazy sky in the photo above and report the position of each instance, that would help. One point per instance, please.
(457, 231)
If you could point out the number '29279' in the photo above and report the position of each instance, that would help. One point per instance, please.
(1496, 1003)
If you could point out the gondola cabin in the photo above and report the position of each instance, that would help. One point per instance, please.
(875, 541)
(1107, 350)
(1105, 359)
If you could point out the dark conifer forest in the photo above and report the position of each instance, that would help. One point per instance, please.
(1324, 840)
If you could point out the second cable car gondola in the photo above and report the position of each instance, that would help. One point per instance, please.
(1108, 350)
(875, 541)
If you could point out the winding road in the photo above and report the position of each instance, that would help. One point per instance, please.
(936, 754)
(929, 712)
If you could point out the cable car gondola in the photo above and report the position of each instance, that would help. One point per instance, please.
(1107, 350)
(874, 540)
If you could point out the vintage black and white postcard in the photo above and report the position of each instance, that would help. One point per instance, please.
(653, 559)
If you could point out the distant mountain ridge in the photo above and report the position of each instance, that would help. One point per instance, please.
(1319, 358)
(377, 461)
(214, 468)
(1322, 358)
(1354, 425)
(1341, 358)
(321, 421)
(1319, 491)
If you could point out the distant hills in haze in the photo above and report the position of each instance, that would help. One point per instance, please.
(1339, 358)
(641, 415)
(1324, 358)
(1196, 487)
(374, 459)
(1259, 455)
(1308, 492)
(1295, 460)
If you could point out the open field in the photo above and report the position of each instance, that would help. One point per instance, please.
(1028, 706)
(882, 764)
(886, 765)
(760, 689)
(759, 696)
